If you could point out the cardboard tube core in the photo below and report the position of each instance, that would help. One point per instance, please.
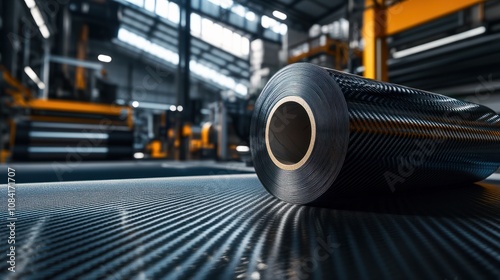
(290, 133)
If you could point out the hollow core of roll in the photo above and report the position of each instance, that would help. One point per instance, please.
(290, 133)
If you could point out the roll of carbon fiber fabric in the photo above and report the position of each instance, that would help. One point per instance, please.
(319, 135)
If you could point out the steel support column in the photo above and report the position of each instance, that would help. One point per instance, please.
(374, 31)
(11, 37)
(44, 93)
(183, 74)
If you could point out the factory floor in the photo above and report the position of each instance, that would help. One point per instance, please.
(229, 227)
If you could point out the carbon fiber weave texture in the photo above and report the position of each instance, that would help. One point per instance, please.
(228, 227)
(415, 138)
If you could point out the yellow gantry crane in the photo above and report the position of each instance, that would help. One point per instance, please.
(383, 18)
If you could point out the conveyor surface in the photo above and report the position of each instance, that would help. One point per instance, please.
(57, 171)
(229, 227)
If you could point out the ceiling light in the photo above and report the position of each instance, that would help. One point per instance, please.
(440, 42)
(37, 16)
(34, 77)
(279, 15)
(104, 58)
(45, 31)
(30, 73)
(153, 106)
(180, 108)
(173, 108)
(138, 155)
(30, 3)
(242, 149)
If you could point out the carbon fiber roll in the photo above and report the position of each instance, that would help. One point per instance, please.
(319, 135)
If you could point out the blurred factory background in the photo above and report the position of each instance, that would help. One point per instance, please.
(87, 80)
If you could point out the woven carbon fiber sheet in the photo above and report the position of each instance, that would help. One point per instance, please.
(229, 227)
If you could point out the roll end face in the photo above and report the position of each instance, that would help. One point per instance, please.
(296, 151)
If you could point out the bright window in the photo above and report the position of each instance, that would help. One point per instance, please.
(162, 8)
(274, 25)
(149, 5)
(227, 35)
(239, 10)
(245, 46)
(206, 29)
(195, 25)
(173, 12)
(236, 43)
(217, 38)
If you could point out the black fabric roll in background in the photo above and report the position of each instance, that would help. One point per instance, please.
(370, 137)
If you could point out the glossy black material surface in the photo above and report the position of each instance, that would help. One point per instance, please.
(58, 171)
(374, 137)
(229, 227)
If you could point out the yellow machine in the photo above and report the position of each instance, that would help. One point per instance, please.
(38, 120)
(190, 134)
(380, 19)
(322, 45)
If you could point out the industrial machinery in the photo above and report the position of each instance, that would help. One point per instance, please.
(72, 114)
(41, 129)
(217, 138)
